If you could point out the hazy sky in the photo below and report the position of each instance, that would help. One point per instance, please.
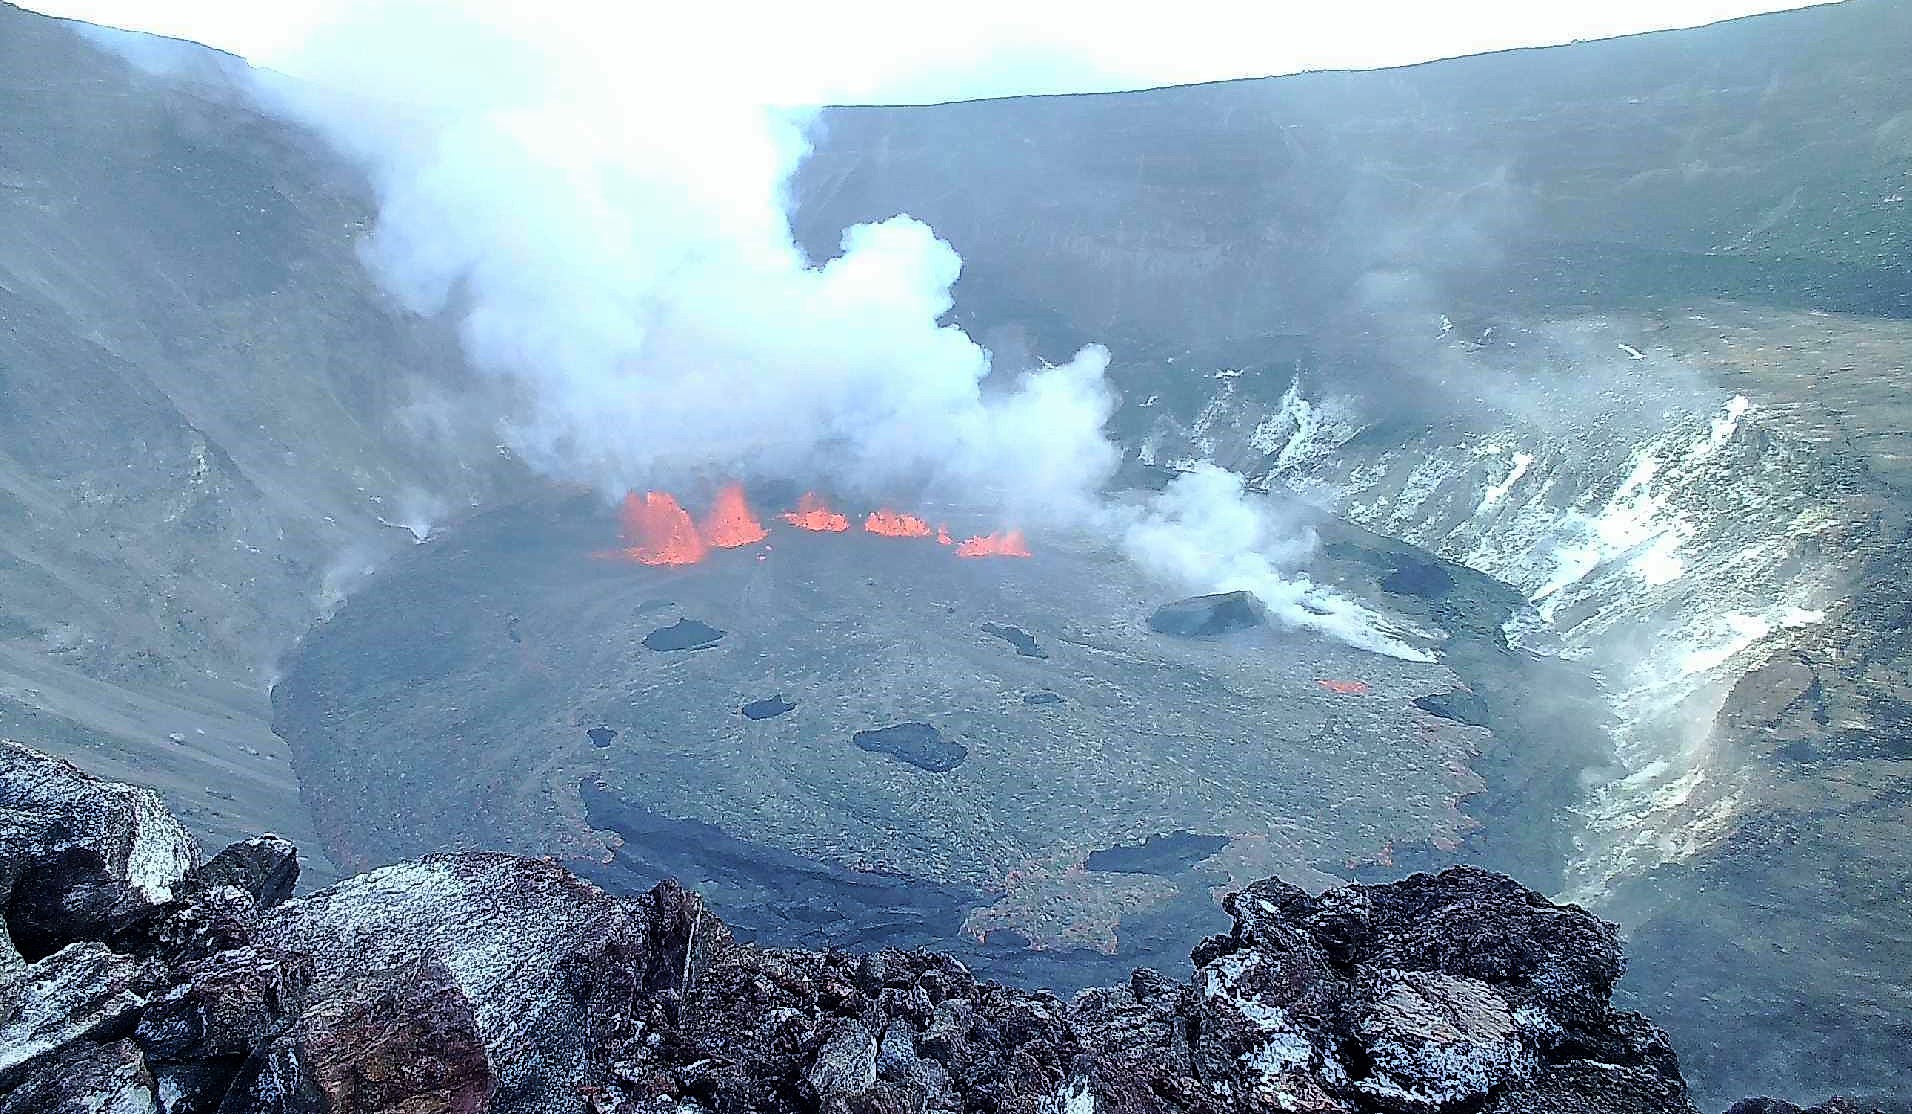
(878, 50)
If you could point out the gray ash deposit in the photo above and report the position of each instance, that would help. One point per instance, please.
(908, 782)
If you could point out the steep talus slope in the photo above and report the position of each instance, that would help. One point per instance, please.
(1622, 324)
(203, 404)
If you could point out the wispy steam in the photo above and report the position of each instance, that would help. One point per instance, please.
(607, 220)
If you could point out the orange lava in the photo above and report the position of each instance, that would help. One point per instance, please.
(1345, 688)
(942, 536)
(1009, 543)
(813, 513)
(895, 524)
(730, 523)
(659, 532)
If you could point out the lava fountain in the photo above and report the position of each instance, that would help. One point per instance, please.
(730, 523)
(814, 514)
(1009, 543)
(895, 524)
(657, 531)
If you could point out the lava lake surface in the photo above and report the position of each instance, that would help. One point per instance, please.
(908, 789)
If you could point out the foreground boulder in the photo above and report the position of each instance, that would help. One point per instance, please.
(480, 982)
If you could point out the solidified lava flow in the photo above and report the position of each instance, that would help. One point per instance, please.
(657, 531)
(895, 524)
(814, 514)
(730, 523)
(1008, 543)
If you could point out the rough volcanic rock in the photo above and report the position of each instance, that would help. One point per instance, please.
(85, 1078)
(1203, 616)
(77, 994)
(266, 867)
(76, 852)
(482, 982)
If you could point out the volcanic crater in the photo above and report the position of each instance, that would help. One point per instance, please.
(904, 771)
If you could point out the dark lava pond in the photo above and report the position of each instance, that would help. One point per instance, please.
(845, 739)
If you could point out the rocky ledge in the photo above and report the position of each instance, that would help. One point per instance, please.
(138, 978)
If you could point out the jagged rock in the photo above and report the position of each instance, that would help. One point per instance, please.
(266, 867)
(77, 853)
(403, 1038)
(85, 1078)
(76, 995)
(218, 905)
(200, 1034)
(1436, 1041)
(1203, 616)
(473, 981)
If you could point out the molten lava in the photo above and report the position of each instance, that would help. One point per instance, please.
(659, 532)
(813, 513)
(1345, 688)
(1007, 544)
(730, 523)
(895, 524)
(942, 536)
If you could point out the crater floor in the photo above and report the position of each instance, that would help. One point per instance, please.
(933, 781)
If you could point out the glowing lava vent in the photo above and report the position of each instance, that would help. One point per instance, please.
(730, 523)
(1009, 543)
(895, 524)
(813, 513)
(659, 532)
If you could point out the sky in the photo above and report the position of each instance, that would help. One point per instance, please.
(878, 51)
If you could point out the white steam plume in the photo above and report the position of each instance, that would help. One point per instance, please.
(604, 209)
(1207, 534)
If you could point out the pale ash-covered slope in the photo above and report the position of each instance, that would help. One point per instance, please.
(201, 407)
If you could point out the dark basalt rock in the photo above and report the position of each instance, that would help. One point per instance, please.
(1161, 853)
(919, 744)
(1040, 698)
(1460, 706)
(601, 737)
(467, 982)
(1022, 640)
(768, 708)
(265, 867)
(684, 634)
(1205, 616)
